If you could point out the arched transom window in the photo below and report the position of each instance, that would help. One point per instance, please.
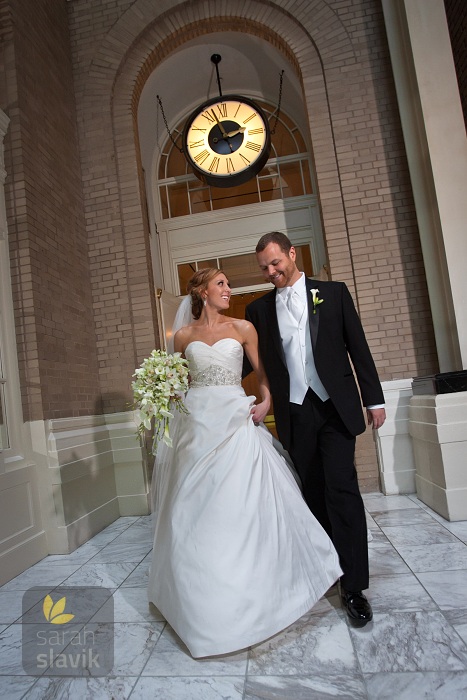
(287, 174)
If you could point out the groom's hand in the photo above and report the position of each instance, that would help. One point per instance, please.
(376, 417)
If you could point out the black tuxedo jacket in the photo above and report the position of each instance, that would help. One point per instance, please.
(336, 333)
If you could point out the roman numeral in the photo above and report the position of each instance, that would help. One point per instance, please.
(252, 116)
(255, 131)
(230, 165)
(201, 157)
(214, 165)
(253, 146)
(197, 144)
(209, 117)
(245, 160)
(197, 128)
(222, 107)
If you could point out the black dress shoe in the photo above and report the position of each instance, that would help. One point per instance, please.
(357, 608)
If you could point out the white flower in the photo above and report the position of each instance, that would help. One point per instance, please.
(316, 300)
(160, 382)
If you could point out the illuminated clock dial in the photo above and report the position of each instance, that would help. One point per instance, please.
(227, 140)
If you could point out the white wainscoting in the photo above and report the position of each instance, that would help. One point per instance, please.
(91, 471)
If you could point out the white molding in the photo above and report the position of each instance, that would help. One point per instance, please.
(234, 231)
(92, 470)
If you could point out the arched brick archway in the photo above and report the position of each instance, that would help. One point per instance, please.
(114, 191)
(341, 56)
(315, 42)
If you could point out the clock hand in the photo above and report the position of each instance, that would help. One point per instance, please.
(219, 123)
(240, 130)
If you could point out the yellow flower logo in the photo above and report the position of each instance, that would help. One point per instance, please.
(53, 612)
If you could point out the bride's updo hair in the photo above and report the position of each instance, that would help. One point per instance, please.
(197, 285)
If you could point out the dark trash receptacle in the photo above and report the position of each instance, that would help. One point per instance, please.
(443, 383)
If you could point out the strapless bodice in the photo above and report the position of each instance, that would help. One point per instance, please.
(219, 364)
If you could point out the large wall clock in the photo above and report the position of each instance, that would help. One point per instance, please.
(227, 140)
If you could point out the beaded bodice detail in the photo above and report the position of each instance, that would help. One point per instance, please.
(215, 376)
(215, 365)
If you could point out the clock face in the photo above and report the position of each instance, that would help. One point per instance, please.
(227, 140)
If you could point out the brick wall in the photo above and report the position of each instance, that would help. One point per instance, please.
(123, 299)
(384, 265)
(49, 258)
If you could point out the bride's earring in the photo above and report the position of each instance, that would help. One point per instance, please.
(204, 301)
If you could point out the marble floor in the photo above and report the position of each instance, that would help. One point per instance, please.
(416, 646)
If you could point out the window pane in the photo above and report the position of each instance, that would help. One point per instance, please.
(288, 122)
(269, 188)
(199, 197)
(304, 259)
(300, 142)
(164, 203)
(185, 272)
(242, 270)
(176, 164)
(162, 166)
(207, 263)
(235, 196)
(291, 179)
(283, 142)
(178, 200)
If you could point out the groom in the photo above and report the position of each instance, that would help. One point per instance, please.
(307, 331)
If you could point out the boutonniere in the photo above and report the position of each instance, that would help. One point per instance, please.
(316, 299)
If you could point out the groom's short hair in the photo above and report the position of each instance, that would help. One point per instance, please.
(274, 237)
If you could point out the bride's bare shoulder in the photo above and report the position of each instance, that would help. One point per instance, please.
(182, 336)
(240, 322)
(241, 325)
(182, 332)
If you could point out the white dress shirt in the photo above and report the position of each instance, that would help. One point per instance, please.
(296, 341)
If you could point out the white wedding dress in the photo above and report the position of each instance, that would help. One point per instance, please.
(237, 554)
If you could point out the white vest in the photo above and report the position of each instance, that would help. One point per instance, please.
(296, 343)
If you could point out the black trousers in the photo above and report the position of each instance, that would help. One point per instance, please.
(323, 452)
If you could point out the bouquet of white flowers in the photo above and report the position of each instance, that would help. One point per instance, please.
(160, 382)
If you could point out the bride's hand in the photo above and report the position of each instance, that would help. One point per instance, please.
(259, 411)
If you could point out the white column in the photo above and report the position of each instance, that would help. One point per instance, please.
(393, 442)
(435, 140)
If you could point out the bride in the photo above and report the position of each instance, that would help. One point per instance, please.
(237, 554)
